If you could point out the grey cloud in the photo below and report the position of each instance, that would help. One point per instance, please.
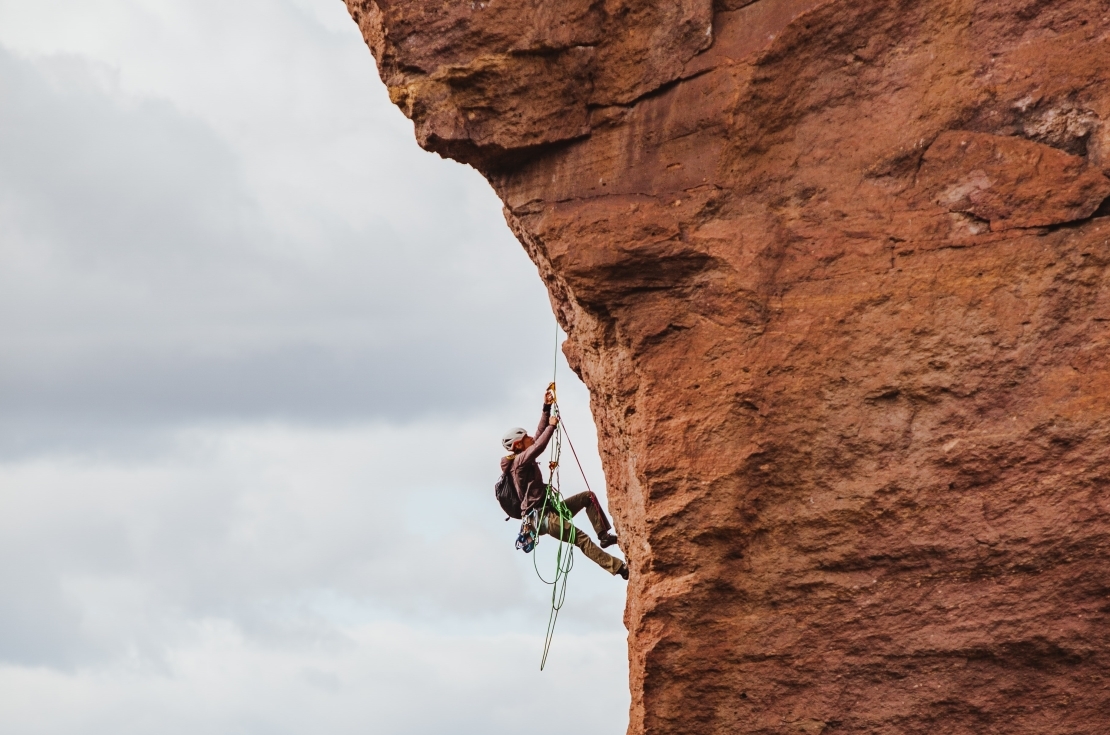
(146, 287)
(111, 180)
(42, 628)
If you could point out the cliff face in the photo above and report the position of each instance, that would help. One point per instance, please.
(836, 276)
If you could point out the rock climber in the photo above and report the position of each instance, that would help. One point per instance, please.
(528, 481)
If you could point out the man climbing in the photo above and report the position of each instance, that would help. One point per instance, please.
(528, 481)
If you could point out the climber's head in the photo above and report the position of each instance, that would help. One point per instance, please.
(516, 440)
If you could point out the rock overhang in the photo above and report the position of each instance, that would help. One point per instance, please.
(836, 276)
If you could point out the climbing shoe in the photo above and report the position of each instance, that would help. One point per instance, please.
(623, 571)
(606, 540)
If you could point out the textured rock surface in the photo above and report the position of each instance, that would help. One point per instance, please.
(836, 277)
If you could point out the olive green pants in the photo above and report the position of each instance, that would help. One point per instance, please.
(553, 525)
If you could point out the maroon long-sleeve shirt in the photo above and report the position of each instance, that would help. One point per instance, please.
(527, 475)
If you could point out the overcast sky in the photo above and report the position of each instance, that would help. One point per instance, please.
(252, 382)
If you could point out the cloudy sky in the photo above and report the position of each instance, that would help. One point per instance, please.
(251, 387)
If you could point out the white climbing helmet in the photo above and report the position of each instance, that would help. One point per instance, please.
(512, 436)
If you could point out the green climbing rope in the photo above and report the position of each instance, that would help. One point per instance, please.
(553, 500)
(564, 554)
(553, 503)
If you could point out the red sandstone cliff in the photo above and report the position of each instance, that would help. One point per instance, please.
(836, 277)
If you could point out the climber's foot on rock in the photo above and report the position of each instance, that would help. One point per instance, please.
(623, 571)
(606, 540)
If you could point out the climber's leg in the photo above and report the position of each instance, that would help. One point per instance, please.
(554, 526)
(590, 503)
(596, 515)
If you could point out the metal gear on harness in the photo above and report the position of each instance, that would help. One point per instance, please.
(526, 539)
